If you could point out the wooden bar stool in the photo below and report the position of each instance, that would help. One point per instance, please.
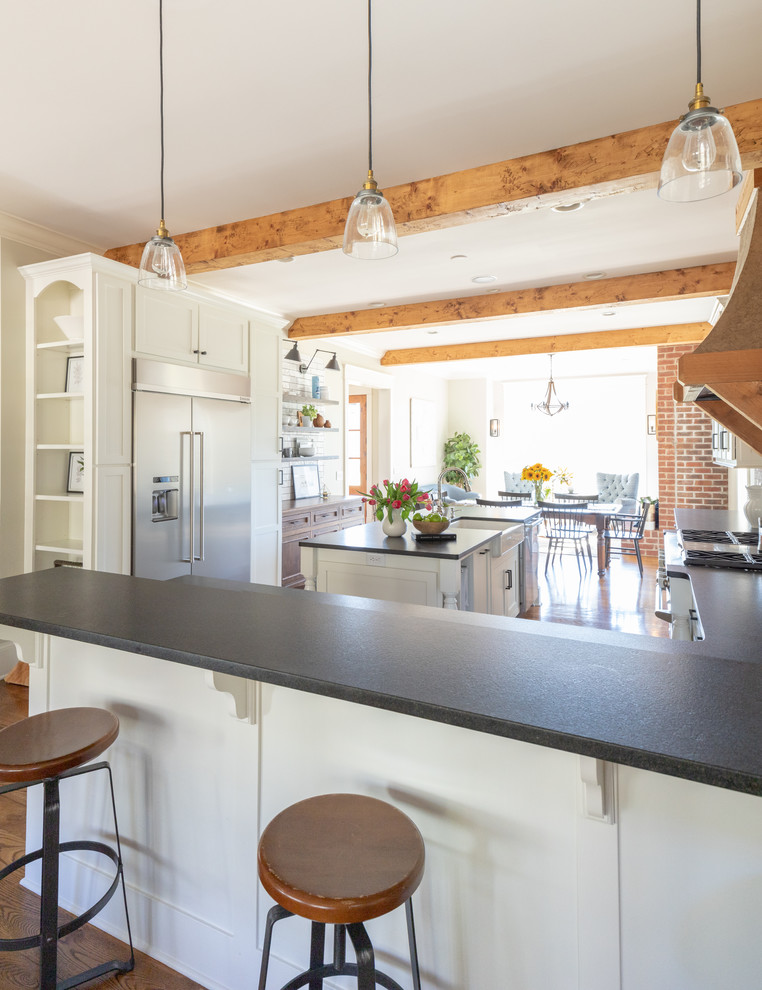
(45, 749)
(341, 859)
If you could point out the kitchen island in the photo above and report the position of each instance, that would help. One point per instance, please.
(471, 567)
(548, 865)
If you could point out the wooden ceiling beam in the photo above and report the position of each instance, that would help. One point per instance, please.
(720, 366)
(605, 166)
(637, 337)
(679, 283)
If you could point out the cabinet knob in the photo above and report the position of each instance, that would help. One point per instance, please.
(197, 351)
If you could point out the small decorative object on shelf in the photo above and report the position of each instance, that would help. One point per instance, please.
(325, 493)
(538, 475)
(327, 424)
(393, 501)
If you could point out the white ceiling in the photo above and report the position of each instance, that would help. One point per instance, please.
(265, 111)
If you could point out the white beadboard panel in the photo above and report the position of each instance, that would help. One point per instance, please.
(224, 334)
(265, 422)
(113, 412)
(265, 352)
(112, 496)
(265, 556)
(165, 325)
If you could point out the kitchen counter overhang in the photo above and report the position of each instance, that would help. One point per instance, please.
(646, 703)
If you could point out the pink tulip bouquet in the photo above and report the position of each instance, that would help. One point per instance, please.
(403, 495)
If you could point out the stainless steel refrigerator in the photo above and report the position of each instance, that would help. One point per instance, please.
(191, 472)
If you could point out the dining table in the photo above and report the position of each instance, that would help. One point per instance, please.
(598, 515)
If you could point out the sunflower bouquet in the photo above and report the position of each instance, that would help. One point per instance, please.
(538, 474)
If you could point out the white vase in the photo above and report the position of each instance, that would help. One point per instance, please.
(395, 526)
(753, 508)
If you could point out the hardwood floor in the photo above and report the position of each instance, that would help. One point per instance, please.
(621, 600)
(19, 908)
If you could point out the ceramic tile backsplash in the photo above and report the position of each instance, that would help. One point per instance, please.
(324, 444)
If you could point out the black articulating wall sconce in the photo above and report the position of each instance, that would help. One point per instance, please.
(294, 355)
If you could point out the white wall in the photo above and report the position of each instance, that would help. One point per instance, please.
(13, 398)
(389, 414)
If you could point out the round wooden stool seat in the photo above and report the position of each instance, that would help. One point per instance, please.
(341, 858)
(45, 745)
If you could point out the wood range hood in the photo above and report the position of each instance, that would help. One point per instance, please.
(725, 370)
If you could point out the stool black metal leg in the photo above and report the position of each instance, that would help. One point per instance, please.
(317, 953)
(413, 945)
(366, 965)
(275, 913)
(339, 947)
(49, 887)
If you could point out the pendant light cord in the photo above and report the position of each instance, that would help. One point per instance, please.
(370, 88)
(161, 96)
(698, 41)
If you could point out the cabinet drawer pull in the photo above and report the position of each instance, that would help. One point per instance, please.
(509, 574)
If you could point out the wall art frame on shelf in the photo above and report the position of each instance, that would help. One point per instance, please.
(75, 481)
(306, 480)
(75, 373)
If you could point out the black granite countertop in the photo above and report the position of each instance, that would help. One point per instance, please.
(640, 701)
(729, 600)
(372, 539)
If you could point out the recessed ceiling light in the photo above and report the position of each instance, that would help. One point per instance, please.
(458, 257)
(286, 259)
(376, 305)
(608, 312)
(432, 331)
(491, 290)
(484, 279)
(567, 207)
(591, 276)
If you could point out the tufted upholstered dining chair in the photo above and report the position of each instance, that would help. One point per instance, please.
(514, 484)
(619, 488)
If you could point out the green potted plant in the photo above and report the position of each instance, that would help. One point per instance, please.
(460, 451)
(309, 412)
(653, 509)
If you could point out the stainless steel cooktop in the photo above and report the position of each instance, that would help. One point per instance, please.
(717, 548)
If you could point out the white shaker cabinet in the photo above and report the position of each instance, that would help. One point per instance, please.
(185, 327)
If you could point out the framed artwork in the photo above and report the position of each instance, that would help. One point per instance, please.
(76, 479)
(75, 373)
(306, 480)
(423, 450)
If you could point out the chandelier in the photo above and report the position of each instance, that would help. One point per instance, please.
(551, 404)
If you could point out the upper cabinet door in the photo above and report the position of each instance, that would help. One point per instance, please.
(166, 325)
(223, 338)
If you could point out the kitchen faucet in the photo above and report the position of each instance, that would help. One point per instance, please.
(466, 486)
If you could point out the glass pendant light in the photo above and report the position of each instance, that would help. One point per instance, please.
(702, 159)
(370, 233)
(161, 266)
(551, 404)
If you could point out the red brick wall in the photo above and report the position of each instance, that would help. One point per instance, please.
(687, 477)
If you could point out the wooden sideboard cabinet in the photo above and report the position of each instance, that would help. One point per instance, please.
(307, 517)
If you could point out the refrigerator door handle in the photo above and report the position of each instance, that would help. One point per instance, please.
(200, 435)
(191, 475)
